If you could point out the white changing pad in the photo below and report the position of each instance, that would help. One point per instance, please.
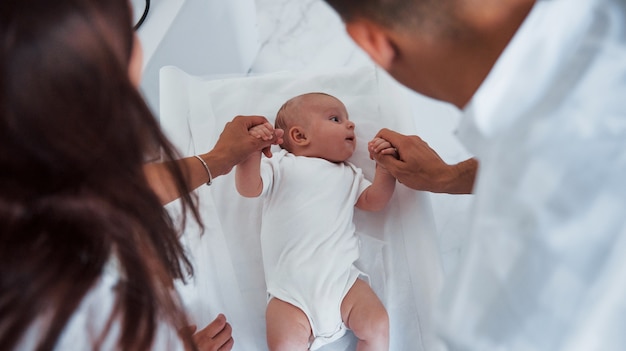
(399, 244)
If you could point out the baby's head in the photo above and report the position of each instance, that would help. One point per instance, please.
(317, 125)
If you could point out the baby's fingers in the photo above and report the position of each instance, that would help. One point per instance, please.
(263, 131)
(377, 145)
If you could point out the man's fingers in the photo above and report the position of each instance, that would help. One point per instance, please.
(389, 161)
(391, 151)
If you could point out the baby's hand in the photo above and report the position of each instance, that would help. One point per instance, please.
(381, 146)
(263, 131)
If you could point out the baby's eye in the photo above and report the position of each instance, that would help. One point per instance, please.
(334, 119)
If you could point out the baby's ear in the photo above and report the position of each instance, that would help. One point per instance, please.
(298, 136)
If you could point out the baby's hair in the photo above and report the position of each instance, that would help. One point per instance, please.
(288, 114)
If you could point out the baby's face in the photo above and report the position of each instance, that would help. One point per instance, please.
(330, 131)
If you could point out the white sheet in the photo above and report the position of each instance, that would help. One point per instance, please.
(399, 251)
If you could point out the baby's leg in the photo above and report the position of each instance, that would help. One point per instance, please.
(288, 327)
(366, 316)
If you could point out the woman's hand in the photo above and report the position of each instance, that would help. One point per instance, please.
(217, 336)
(236, 143)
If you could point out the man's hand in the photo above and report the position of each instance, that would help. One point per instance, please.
(382, 147)
(419, 167)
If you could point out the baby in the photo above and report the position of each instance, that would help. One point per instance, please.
(308, 236)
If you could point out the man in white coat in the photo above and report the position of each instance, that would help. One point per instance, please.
(543, 89)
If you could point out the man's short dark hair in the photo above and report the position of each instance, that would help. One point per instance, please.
(389, 13)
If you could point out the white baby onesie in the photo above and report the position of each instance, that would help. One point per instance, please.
(308, 236)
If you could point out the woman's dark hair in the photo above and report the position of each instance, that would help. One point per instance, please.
(74, 135)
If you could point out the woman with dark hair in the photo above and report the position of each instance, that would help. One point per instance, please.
(88, 254)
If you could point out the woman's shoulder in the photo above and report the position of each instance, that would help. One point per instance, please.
(95, 321)
(87, 325)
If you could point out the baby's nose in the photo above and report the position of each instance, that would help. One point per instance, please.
(350, 125)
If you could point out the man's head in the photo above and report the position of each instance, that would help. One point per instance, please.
(390, 13)
(440, 48)
(317, 125)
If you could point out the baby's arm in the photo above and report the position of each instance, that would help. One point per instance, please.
(377, 195)
(248, 173)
